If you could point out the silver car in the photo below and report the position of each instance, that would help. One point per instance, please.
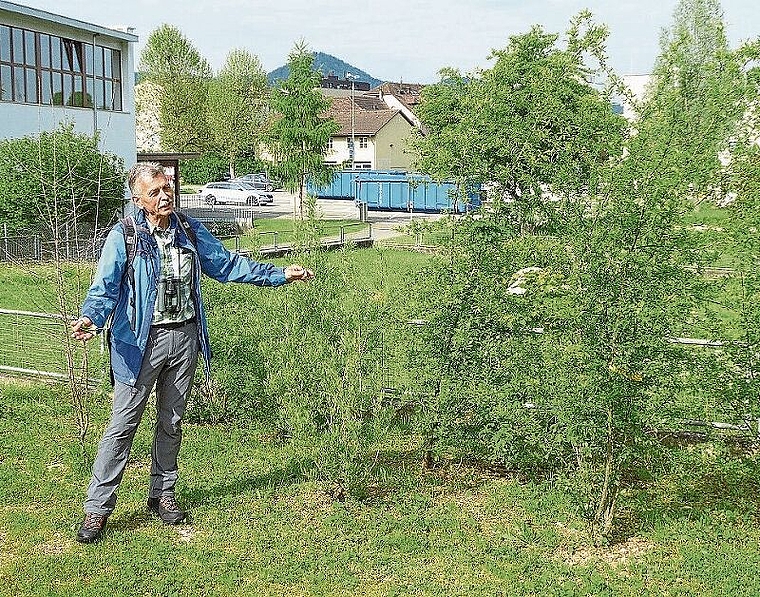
(264, 198)
(228, 192)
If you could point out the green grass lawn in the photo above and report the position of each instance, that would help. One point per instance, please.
(259, 528)
(268, 232)
(688, 526)
(30, 286)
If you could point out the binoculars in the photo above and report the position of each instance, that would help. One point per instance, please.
(168, 295)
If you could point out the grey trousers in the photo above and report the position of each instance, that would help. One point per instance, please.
(171, 356)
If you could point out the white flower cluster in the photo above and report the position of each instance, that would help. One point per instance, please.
(147, 127)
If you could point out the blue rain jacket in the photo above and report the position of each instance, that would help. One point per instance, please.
(132, 305)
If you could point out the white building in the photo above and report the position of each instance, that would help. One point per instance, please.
(55, 69)
(638, 86)
(378, 134)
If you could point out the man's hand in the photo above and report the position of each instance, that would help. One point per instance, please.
(296, 272)
(82, 329)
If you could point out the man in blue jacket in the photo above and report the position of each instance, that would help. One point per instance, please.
(148, 281)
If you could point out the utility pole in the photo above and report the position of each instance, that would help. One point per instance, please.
(353, 78)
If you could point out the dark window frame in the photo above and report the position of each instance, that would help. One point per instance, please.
(57, 71)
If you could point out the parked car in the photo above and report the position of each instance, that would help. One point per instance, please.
(264, 198)
(260, 180)
(229, 192)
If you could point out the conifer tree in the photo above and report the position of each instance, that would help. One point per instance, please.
(301, 130)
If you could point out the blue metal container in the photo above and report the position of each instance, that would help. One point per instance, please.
(394, 190)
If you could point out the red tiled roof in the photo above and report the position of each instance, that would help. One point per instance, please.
(407, 93)
(366, 121)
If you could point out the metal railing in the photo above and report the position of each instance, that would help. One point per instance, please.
(19, 249)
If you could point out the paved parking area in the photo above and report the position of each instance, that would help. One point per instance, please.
(384, 223)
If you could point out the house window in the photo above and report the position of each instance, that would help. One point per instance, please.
(330, 144)
(363, 142)
(37, 68)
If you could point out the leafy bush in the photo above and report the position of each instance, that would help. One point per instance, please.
(309, 358)
(58, 178)
(222, 229)
(206, 168)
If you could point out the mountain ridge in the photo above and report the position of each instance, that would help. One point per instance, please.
(327, 64)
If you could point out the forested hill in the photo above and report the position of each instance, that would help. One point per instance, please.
(327, 65)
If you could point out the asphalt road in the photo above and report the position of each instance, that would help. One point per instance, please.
(384, 223)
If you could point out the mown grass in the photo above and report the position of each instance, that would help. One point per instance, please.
(258, 528)
(689, 526)
(268, 232)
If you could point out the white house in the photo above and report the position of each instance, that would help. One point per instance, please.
(638, 85)
(55, 69)
(379, 135)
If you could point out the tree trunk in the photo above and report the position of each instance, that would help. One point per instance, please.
(605, 511)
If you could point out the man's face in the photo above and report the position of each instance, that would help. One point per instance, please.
(155, 196)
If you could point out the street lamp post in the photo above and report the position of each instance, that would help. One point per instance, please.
(353, 78)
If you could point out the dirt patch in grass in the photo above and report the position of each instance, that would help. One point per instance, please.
(57, 545)
(615, 556)
(185, 534)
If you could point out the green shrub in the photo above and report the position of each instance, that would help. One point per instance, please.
(206, 168)
(250, 165)
(58, 178)
(308, 358)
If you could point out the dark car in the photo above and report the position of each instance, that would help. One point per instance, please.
(260, 181)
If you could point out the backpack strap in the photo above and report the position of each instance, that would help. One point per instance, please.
(129, 229)
(187, 228)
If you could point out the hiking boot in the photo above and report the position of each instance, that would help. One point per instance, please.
(167, 509)
(92, 527)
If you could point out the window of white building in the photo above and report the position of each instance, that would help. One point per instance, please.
(37, 68)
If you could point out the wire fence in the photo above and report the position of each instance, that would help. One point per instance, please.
(31, 247)
(36, 345)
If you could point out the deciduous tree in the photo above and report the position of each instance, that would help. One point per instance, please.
(171, 61)
(238, 107)
(530, 125)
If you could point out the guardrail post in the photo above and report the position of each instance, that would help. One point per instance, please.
(237, 244)
(274, 233)
(342, 234)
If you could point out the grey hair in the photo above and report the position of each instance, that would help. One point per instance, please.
(147, 170)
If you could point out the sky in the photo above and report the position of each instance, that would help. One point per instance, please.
(395, 40)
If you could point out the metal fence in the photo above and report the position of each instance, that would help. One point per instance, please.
(36, 345)
(31, 247)
(225, 222)
(212, 215)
